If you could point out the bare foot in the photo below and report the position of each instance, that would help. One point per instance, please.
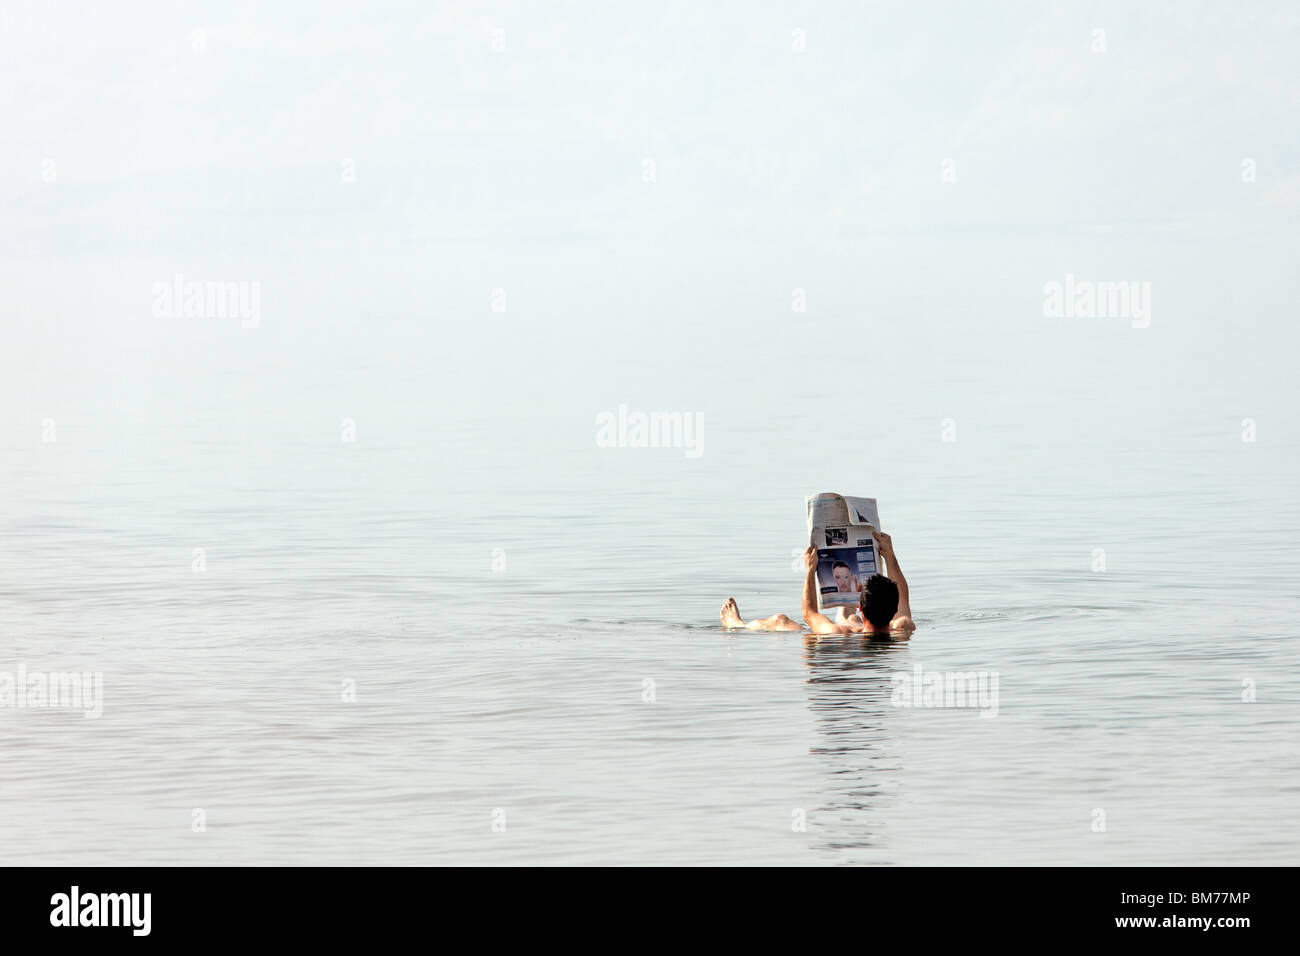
(731, 614)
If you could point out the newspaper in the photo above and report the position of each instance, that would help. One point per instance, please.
(841, 529)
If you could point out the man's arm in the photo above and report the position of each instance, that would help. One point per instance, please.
(903, 618)
(817, 622)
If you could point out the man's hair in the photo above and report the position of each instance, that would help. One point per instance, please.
(839, 564)
(879, 601)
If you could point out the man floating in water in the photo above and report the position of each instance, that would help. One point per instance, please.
(883, 610)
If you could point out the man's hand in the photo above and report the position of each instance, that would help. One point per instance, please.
(810, 558)
(886, 545)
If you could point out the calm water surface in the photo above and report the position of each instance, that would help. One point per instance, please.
(584, 695)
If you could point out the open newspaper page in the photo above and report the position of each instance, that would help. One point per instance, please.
(840, 528)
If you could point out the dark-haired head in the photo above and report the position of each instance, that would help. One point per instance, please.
(879, 601)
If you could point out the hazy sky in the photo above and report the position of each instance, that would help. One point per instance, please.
(618, 167)
(165, 120)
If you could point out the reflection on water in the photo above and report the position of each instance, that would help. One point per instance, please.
(859, 759)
